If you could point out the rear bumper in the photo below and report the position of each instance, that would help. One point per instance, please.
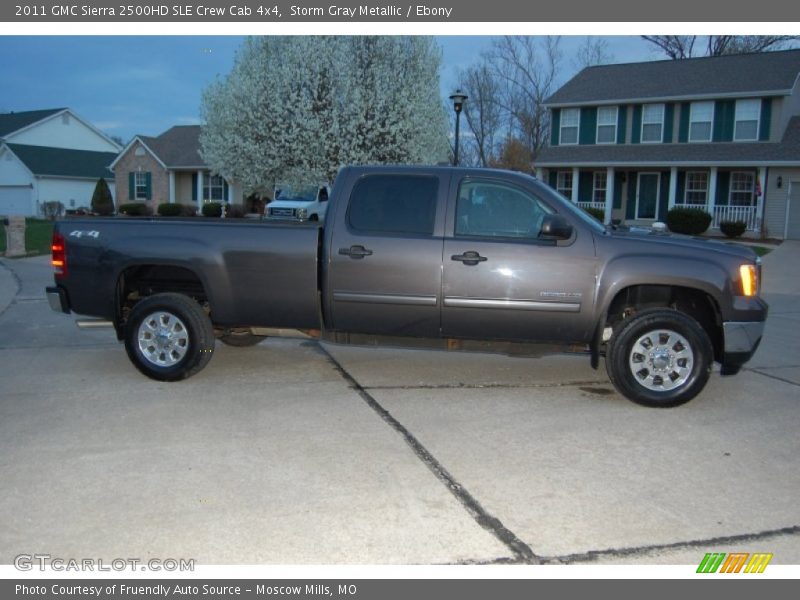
(741, 342)
(57, 298)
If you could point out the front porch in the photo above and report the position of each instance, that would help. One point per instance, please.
(630, 195)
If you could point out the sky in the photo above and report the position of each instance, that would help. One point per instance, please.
(128, 85)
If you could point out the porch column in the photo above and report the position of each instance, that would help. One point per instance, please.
(673, 187)
(229, 199)
(576, 181)
(712, 193)
(762, 179)
(200, 190)
(171, 198)
(609, 195)
(540, 173)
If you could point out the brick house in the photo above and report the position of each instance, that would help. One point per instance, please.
(719, 133)
(168, 169)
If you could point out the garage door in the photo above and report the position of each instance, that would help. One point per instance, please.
(15, 200)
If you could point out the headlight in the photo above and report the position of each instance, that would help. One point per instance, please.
(749, 278)
(301, 213)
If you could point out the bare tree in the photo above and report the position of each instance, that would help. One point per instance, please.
(594, 51)
(527, 70)
(482, 112)
(683, 46)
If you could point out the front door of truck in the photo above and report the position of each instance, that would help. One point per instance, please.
(501, 279)
(384, 263)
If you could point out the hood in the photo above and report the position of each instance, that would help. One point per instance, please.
(683, 242)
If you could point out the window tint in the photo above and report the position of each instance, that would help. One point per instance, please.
(394, 204)
(490, 209)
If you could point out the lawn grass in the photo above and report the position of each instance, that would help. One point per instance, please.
(38, 234)
(761, 250)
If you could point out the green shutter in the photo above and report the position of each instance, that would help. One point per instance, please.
(555, 126)
(723, 186)
(663, 197)
(630, 207)
(636, 134)
(553, 176)
(224, 191)
(194, 187)
(683, 127)
(622, 123)
(149, 185)
(681, 187)
(669, 117)
(588, 133)
(618, 190)
(766, 118)
(586, 186)
(724, 114)
(131, 186)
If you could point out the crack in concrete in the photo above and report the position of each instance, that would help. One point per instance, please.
(521, 551)
(481, 386)
(782, 379)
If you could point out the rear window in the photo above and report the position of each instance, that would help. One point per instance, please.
(394, 204)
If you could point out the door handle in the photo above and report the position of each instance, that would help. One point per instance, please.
(356, 252)
(470, 258)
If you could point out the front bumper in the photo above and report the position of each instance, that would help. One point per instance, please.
(741, 339)
(57, 298)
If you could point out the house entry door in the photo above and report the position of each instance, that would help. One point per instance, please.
(647, 195)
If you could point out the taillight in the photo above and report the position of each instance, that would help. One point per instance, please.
(59, 250)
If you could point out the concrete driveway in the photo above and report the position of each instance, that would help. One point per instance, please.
(298, 452)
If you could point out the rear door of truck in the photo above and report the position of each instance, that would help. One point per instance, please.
(385, 252)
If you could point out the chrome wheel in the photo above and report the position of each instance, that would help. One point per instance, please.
(163, 339)
(661, 360)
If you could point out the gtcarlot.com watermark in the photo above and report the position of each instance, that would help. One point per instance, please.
(43, 562)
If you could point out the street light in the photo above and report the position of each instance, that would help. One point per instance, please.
(458, 97)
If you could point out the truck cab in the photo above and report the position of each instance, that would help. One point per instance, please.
(298, 203)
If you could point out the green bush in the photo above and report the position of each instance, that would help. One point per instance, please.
(134, 209)
(169, 210)
(690, 221)
(102, 202)
(212, 209)
(597, 213)
(733, 229)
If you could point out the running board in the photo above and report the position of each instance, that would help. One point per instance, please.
(93, 323)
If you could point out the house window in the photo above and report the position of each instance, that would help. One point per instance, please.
(606, 124)
(652, 123)
(564, 183)
(747, 115)
(696, 188)
(599, 186)
(570, 122)
(701, 116)
(213, 188)
(742, 186)
(140, 183)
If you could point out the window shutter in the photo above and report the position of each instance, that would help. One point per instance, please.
(131, 185)
(630, 207)
(585, 187)
(555, 127)
(724, 115)
(766, 118)
(683, 127)
(723, 185)
(663, 197)
(618, 190)
(194, 187)
(636, 134)
(622, 123)
(588, 132)
(224, 191)
(553, 178)
(149, 185)
(680, 192)
(669, 117)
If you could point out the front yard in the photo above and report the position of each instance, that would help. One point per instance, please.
(38, 233)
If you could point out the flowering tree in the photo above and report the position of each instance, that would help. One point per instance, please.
(296, 109)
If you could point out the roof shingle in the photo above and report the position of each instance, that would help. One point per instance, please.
(64, 162)
(177, 147)
(14, 121)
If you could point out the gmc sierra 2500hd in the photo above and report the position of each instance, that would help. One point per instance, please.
(426, 252)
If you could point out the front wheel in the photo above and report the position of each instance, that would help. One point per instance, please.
(659, 358)
(169, 337)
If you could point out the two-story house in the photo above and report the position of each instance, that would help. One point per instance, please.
(169, 169)
(51, 155)
(718, 133)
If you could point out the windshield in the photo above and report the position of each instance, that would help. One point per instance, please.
(303, 194)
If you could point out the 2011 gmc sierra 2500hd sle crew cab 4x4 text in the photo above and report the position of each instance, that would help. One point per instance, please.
(425, 252)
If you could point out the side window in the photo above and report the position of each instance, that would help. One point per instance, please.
(394, 204)
(491, 209)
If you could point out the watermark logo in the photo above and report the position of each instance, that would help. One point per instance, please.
(735, 562)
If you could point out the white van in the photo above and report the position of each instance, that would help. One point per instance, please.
(307, 203)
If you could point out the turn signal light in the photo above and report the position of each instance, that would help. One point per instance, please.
(749, 277)
(59, 252)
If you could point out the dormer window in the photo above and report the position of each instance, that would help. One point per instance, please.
(570, 122)
(747, 115)
(607, 124)
(652, 123)
(701, 117)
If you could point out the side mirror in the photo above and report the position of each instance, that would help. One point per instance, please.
(556, 226)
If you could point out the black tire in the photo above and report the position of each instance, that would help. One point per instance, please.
(153, 349)
(241, 340)
(682, 354)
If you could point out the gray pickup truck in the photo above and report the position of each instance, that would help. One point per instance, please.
(422, 252)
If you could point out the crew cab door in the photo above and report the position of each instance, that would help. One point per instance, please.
(501, 279)
(385, 254)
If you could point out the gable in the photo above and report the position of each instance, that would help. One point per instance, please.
(63, 130)
(14, 121)
(12, 170)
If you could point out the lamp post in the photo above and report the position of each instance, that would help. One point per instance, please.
(458, 97)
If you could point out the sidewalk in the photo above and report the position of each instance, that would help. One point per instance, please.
(782, 269)
(8, 285)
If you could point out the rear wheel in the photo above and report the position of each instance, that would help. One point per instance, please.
(659, 358)
(169, 337)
